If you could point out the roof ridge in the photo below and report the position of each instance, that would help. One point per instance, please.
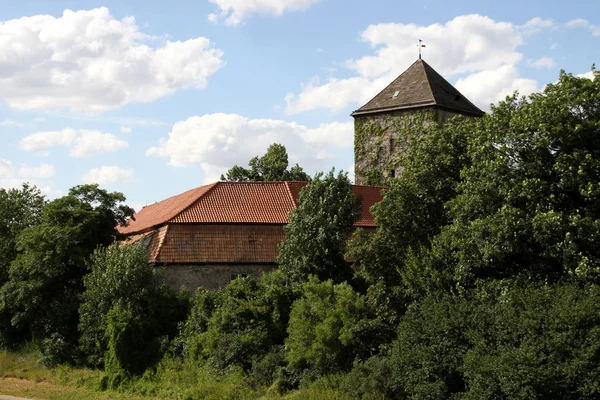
(212, 186)
(161, 240)
(387, 86)
(289, 191)
(425, 65)
(451, 86)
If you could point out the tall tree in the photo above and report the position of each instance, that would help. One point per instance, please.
(316, 237)
(528, 203)
(19, 209)
(273, 166)
(46, 278)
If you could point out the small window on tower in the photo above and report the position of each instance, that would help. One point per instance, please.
(396, 93)
(393, 173)
(392, 145)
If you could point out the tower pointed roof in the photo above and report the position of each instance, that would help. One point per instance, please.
(417, 87)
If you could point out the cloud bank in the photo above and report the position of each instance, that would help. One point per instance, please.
(90, 61)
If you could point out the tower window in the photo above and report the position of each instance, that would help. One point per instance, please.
(396, 93)
(393, 173)
(392, 145)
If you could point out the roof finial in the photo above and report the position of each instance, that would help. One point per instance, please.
(419, 46)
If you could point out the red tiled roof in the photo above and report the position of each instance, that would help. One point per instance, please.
(158, 213)
(217, 244)
(236, 203)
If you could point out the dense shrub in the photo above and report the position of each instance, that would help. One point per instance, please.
(120, 275)
(327, 328)
(239, 323)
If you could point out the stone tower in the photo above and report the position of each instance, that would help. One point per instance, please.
(415, 99)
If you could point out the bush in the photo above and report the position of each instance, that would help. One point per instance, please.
(370, 380)
(239, 323)
(325, 328)
(120, 275)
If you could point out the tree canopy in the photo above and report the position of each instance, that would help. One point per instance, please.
(46, 277)
(316, 237)
(272, 166)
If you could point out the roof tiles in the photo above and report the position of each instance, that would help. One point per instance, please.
(236, 203)
(419, 86)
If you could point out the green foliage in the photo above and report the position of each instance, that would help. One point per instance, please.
(536, 342)
(505, 340)
(528, 202)
(326, 328)
(270, 167)
(46, 277)
(428, 352)
(19, 209)
(316, 237)
(239, 323)
(122, 334)
(120, 274)
(370, 380)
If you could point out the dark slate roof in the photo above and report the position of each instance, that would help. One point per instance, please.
(419, 86)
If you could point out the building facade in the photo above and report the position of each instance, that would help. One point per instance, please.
(212, 234)
(382, 127)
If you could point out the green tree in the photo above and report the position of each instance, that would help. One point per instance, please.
(121, 274)
(19, 209)
(327, 329)
(316, 237)
(46, 277)
(528, 203)
(273, 166)
(239, 323)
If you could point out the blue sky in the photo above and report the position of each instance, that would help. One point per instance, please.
(152, 98)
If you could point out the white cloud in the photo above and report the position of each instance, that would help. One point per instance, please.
(125, 129)
(44, 171)
(491, 86)
(108, 174)
(468, 44)
(92, 142)
(542, 63)
(90, 61)
(234, 11)
(584, 23)
(6, 169)
(11, 123)
(536, 24)
(11, 178)
(81, 143)
(216, 142)
(589, 75)
(40, 142)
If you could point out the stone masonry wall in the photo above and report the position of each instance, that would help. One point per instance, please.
(210, 276)
(379, 139)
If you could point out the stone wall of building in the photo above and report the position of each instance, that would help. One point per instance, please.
(379, 140)
(210, 276)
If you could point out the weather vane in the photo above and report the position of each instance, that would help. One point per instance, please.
(420, 46)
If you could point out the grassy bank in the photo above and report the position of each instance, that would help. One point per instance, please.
(22, 375)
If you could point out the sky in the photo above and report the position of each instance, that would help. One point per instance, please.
(152, 98)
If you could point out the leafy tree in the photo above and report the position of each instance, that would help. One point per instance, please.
(46, 278)
(121, 274)
(316, 237)
(270, 167)
(528, 202)
(241, 322)
(427, 356)
(327, 328)
(19, 209)
(535, 341)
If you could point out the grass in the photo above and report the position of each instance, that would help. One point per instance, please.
(22, 375)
